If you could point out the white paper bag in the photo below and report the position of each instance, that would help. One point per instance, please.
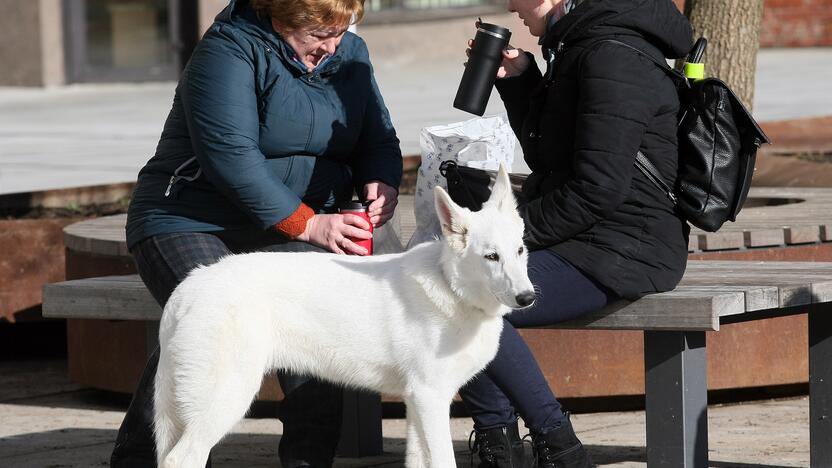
(483, 143)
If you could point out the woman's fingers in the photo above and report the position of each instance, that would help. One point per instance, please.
(514, 63)
(352, 228)
(384, 215)
(349, 247)
(384, 205)
(355, 220)
(347, 242)
(384, 199)
(380, 216)
(511, 53)
(356, 233)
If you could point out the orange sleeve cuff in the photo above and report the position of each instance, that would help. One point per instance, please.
(295, 223)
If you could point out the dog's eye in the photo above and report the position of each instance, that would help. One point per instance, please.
(520, 250)
(492, 256)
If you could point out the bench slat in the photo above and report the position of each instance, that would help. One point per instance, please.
(114, 297)
(674, 310)
(722, 240)
(756, 297)
(708, 291)
(764, 237)
(792, 290)
(741, 265)
(126, 298)
(798, 283)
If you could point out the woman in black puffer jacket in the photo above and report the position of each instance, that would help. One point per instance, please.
(596, 228)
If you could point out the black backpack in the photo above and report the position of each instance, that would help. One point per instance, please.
(718, 142)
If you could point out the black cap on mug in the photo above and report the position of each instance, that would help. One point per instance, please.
(353, 205)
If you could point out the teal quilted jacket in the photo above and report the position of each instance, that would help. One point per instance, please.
(251, 134)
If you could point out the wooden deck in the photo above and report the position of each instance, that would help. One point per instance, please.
(773, 217)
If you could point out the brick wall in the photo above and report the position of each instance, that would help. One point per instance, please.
(794, 23)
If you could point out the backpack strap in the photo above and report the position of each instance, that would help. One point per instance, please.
(678, 77)
(680, 80)
(643, 162)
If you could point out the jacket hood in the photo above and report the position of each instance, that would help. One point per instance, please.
(233, 6)
(659, 22)
(239, 14)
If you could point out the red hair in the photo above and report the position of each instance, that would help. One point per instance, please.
(298, 14)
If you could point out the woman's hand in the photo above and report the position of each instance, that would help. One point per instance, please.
(515, 61)
(331, 231)
(383, 198)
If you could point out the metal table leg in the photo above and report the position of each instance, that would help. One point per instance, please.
(820, 385)
(361, 427)
(676, 393)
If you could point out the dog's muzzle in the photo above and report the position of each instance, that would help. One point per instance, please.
(525, 299)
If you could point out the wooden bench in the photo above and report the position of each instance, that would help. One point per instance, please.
(674, 324)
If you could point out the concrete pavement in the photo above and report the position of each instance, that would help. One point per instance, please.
(83, 135)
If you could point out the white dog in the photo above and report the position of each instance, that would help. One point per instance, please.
(418, 324)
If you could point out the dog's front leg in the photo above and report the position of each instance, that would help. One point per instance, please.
(433, 425)
(416, 455)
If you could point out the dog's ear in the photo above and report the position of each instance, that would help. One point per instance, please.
(452, 217)
(501, 195)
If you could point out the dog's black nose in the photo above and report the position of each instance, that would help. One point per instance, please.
(525, 299)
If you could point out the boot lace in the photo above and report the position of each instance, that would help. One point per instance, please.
(544, 456)
(480, 445)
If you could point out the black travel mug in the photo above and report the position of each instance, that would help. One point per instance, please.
(481, 70)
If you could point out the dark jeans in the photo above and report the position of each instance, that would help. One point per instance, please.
(513, 383)
(311, 410)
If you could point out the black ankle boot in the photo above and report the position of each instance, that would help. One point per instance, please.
(499, 447)
(560, 448)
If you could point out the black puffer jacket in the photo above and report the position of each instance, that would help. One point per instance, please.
(580, 131)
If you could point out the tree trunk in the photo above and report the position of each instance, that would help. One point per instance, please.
(732, 28)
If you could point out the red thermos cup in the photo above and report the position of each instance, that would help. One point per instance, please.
(359, 209)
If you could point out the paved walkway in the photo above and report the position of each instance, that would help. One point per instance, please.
(100, 134)
(47, 421)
